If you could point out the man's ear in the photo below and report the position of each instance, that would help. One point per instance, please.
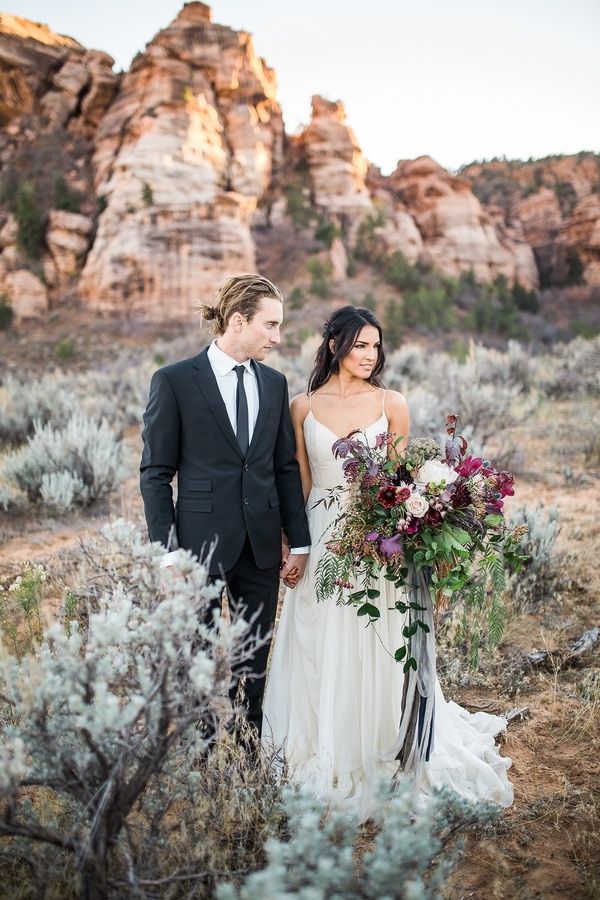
(237, 320)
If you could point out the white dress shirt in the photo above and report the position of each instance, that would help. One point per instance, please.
(223, 367)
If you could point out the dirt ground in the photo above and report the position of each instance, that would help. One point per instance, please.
(548, 844)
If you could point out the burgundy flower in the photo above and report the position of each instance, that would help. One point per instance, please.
(505, 483)
(470, 465)
(391, 546)
(413, 526)
(351, 469)
(461, 496)
(387, 496)
(494, 507)
(403, 494)
(402, 474)
(433, 517)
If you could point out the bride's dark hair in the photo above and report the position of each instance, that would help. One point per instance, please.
(343, 328)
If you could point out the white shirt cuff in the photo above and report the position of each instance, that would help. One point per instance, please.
(169, 559)
(299, 551)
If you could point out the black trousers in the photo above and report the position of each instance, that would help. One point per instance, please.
(256, 591)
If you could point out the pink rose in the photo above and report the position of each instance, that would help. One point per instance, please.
(417, 505)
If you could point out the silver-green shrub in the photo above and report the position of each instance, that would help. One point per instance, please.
(23, 402)
(8, 497)
(101, 750)
(119, 395)
(411, 859)
(489, 391)
(570, 369)
(67, 466)
(535, 583)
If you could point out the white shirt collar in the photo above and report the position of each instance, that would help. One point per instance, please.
(223, 363)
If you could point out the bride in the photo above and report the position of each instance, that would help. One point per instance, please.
(333, 700)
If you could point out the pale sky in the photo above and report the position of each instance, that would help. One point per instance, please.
(455, 79)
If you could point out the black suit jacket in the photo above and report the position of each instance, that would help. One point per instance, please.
(221, 493)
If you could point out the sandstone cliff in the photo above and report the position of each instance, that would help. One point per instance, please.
(557, 203)
(189, 148)
(53, 93)
(139, 192)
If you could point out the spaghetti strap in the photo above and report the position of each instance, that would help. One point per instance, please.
(309, 400)
(383, 404)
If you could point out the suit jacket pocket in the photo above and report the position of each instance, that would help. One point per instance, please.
(198, 484)
(194, 504)
(273, 498)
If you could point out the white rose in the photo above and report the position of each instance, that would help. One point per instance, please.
(434, 472)
(417, 505)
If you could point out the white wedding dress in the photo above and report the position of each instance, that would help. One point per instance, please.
(332, 703)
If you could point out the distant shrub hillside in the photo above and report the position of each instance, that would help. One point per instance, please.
(502, 181)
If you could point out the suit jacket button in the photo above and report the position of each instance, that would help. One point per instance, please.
(245, 501)
(246, 467)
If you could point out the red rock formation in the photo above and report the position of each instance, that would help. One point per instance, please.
(556, 199)
(336, 163)
(50, 76)
(458, 233)
(188, 149)
(186, 154)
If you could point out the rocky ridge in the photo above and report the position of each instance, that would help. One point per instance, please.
(181, 162)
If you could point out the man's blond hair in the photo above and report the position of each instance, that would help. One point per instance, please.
(238, 293)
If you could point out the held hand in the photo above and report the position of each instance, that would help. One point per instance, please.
(293, 571)
(285, 553)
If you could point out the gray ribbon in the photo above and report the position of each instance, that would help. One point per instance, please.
(415, 733)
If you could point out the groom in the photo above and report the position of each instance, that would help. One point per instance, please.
(220, 422)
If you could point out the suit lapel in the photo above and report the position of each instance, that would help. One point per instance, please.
(264, 398)
(206, 381)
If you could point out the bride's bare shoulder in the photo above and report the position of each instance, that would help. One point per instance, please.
(394, 400)
(395, 406)
(299, 406)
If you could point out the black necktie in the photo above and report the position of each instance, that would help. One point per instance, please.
(241, 406)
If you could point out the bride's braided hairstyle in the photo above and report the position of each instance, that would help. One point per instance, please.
(343, 328)
(238, 293)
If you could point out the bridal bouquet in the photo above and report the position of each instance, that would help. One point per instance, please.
(419, 509)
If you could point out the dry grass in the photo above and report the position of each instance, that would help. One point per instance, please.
(547, 844)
